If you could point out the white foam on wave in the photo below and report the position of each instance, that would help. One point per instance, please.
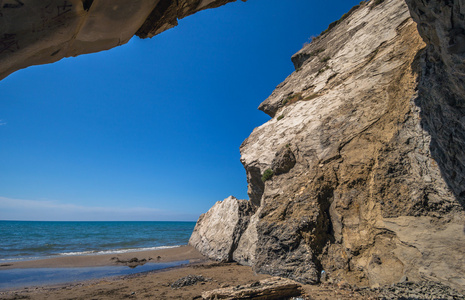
(116, 251)
(17, 259)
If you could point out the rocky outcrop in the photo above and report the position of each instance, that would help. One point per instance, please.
(39, 32)
(217, 232)
(363, 156)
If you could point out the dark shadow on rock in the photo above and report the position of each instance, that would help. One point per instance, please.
(256, 185)
(443, 117)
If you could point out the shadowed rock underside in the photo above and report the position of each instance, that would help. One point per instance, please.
(39, 32)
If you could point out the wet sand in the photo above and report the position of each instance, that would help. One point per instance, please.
(154, 284)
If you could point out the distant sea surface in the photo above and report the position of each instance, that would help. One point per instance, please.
(29, 240)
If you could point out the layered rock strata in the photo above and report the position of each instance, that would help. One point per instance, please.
(44, 31)
(358, 174)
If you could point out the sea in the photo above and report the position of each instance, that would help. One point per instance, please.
(32, 240)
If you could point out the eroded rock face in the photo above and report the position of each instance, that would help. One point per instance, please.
(44, 31)
(367, 184)
(218, 231)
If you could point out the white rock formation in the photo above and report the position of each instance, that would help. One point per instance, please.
(217, 232)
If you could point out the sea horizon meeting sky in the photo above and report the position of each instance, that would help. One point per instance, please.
(149, 131)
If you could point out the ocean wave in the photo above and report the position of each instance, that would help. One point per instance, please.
(115, 251)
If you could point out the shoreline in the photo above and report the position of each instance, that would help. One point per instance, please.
(165, 255)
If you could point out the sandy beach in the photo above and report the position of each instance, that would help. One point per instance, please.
(154, 284)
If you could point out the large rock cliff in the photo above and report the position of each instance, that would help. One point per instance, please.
(360, 171)
(34, 32)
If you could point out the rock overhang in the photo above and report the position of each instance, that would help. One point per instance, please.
(40, 32)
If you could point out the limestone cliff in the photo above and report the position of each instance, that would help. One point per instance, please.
(360, 171)
(34, 32)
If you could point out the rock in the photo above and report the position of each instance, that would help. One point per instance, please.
(132, 263)
(247, 246)
(187, 281)
(217, 232)
(39, 32)
(283, 161)
(271, 288)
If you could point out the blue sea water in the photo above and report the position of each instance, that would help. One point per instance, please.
(27, 240)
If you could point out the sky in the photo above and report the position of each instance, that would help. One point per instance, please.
(149, 131)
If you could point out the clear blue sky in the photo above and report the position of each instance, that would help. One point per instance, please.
(150, 130)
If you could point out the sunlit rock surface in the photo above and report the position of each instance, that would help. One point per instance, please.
(34, 32)
(217, 232)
